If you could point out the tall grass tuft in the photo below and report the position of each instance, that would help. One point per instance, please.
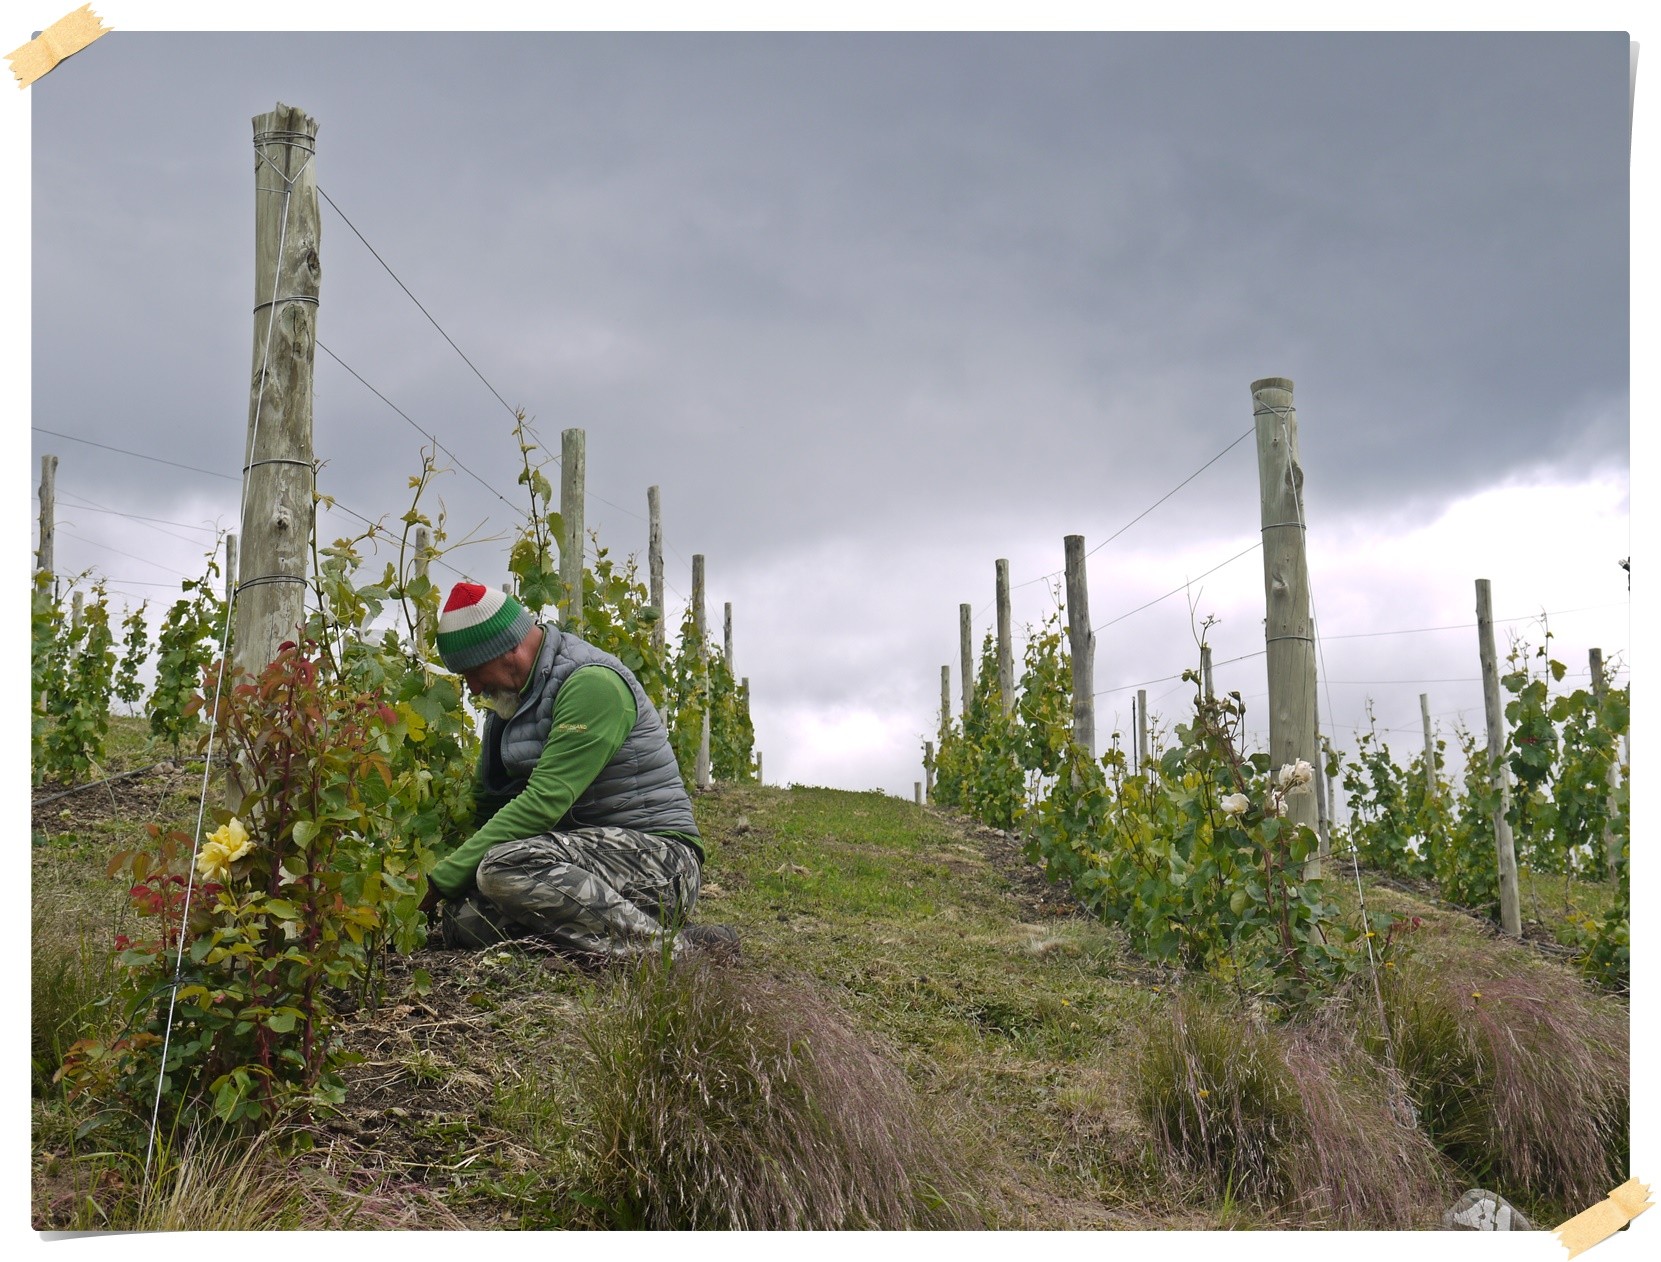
(716, 1098)
(70, 971)
(1522, 1080)
(1358, 1161)
(1290, 1117)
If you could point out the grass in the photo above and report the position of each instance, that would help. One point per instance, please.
(919, 1044)
(721, 1098)
(1522, 1082)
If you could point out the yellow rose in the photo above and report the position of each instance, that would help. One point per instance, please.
(212, 862)
(224, 846)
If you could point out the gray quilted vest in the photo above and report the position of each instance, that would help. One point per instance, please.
(639, 788)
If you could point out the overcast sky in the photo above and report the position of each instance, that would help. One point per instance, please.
(875, 310)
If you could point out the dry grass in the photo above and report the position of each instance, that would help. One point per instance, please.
(1522, 1079)
(1292, 1119)
(720, 1098)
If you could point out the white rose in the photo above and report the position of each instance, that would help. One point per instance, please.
(1236, 804)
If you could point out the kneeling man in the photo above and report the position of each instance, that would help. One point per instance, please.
(585, 834)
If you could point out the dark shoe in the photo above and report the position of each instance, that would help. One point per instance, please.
(718, 941)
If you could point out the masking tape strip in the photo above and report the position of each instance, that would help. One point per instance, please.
(64, 38)
(1605, 1218)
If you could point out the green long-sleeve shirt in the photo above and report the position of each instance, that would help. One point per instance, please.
(593, 715)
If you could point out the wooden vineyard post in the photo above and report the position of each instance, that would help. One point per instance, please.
(928, 771)
(759, 778)
(573, 459)
(917, 790)
(1081, 645)
(1430, 745)
(726, 636)
(1205, 672)
(1323, 818)
(1511, 920)
(1289, 633)
(744, 701)
(654, 565)
(945, 700)
(48, 526)
(1142, 730)
(1006, 652)
(1331, 791)
(230, 566)
(700, 775)
(1134, 768)
(77, 601)
(423, 619)
(966, 652)
(1612, 860)
(278, 472)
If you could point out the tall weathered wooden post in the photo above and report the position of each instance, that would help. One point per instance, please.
(44, 559)
(1430, 744)
(1142, 730)
(700, 773)
(1290, 637)
(1505, 852)
(1612, 859)
(230, 566)
(726, 634)
(1205, 672)
(278, 472)
(945, 699)
(928, 771)
(573, 461)
(966, 652)
(423, 619)
(1323, 817)
(1006, 648)
(654, 564)
(1081, 645)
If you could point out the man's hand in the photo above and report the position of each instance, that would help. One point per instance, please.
(429, 903)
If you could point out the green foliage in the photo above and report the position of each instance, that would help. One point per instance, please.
(350, 760)
(1201, 864)
(292, 895)
(135, 648)
(1044, 707)
(186, 643)
(1460, 832)
(688, 697)
(731, 735)
(986, 780)
(48, 666)
(1386, 808)
(619, 618)
(74, 685)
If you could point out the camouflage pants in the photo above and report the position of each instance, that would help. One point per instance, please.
(592, 891)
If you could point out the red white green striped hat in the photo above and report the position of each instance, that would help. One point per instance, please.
(479, 624)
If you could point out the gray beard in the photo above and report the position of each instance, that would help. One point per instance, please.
(504, 702)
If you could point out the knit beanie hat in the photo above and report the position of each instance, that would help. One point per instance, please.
(479, 624)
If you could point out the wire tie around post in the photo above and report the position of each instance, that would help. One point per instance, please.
(311, 298)
(304, 464)
(270, 578)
